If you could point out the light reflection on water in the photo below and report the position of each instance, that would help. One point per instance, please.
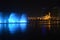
(13, 28)
(43, 30)
(23, 27)
(23, 24)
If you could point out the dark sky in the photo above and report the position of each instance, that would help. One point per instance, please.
(30, 7)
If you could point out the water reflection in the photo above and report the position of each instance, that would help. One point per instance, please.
(23, 27)
(43, 30)
(12, 28)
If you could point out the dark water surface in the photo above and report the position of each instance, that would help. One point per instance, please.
(33, 31)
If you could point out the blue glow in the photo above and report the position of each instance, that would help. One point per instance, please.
(23, 27)
(23, 22)
(43, 30)
(5, 21)
(1, 21)
(1, 18)
(12, 28)
(23, 19)
(12, 19)
(13, 23)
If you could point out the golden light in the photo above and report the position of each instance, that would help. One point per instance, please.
(47, 17)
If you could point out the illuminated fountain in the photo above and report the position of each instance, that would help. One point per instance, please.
(15, 22)
(1, 21)
(23, 22)
(12, 23)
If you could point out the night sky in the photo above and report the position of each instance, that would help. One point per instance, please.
(32, 8)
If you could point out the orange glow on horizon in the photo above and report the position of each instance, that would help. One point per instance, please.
(47, 17)
(47, 20)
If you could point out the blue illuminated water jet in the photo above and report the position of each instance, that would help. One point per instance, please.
(23, 22)
(5, 23)
(12, 18)
(12, 26)
(1, 21)
(13, 22)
